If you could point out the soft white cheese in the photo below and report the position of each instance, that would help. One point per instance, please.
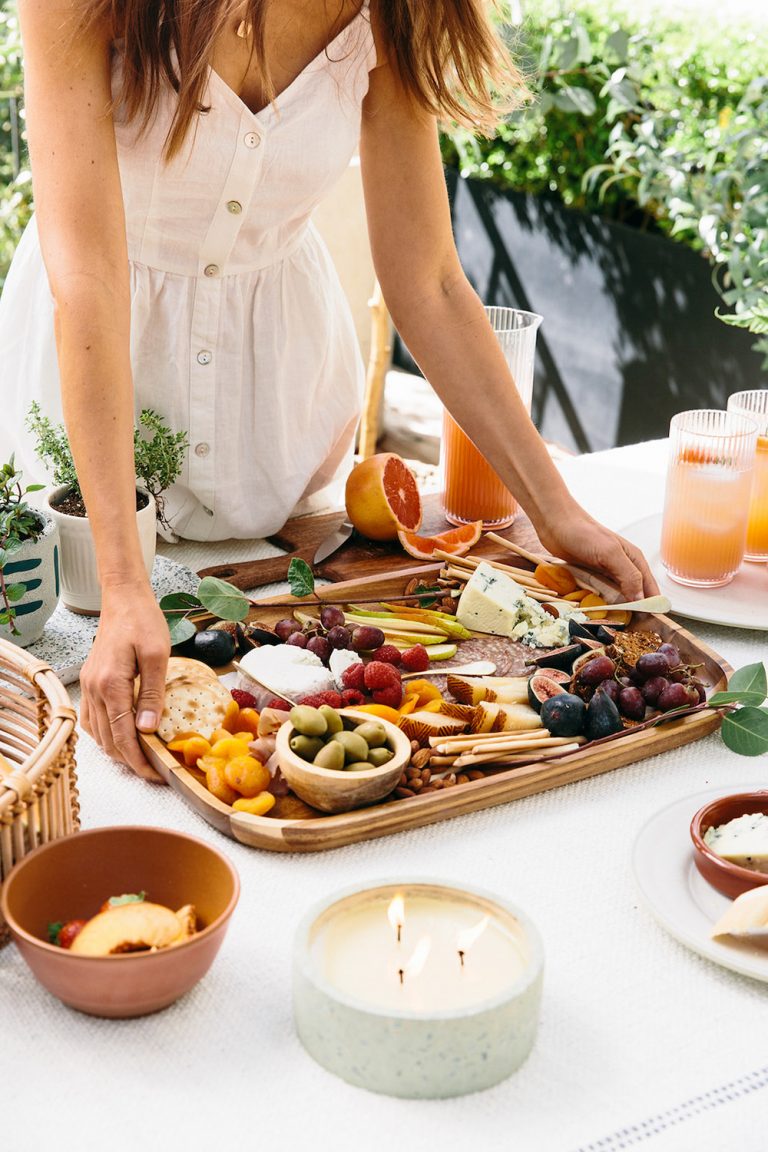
(284, 669)
(341, 659)
(743, 841)
(493, 602)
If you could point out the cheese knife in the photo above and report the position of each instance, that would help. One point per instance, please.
(245, 574)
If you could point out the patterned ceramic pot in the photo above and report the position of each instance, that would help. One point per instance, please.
(36, 565)
(80, 586)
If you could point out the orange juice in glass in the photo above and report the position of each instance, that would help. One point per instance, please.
(709, 479)
(754, 404)
(473, 490)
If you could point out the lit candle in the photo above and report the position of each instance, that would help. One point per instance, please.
(417, 988)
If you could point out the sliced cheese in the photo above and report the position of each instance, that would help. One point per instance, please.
(743, 841)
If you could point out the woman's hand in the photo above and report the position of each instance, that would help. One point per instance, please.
(132, 639)
(580, 539)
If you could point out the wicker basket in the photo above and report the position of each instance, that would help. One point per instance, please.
(38, 785)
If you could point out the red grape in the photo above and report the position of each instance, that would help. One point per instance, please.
(632, 704)
(286, 628)
(597, 670)
(331, 616)
(652, 664)
(339, 637)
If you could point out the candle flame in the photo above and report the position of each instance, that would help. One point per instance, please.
(470, 936)
(419, 958)
(396, 915)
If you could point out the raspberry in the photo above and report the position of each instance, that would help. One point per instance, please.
(392, 696)
(275, 702)
(415, 659)
(353, 677)
(351, 698)
(315, 699)
(243, 699)
(387, 654)
(378, 675)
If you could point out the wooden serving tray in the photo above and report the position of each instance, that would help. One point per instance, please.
(324, 832)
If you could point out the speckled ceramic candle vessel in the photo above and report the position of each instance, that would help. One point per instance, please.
(410, 1052)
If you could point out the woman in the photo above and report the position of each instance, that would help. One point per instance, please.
(178, 148)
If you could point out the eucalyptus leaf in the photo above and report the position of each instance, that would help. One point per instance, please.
(746, 731)
(570, 99)
(180, 629)
(222, 599)
(300, 578)
(720, 699)
(751, 678)
(179, 602)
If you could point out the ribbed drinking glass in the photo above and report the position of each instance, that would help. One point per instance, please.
(473, 490)
(709, 479)
(754, 405)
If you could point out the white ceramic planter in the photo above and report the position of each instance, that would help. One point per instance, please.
(80, 586)
(37, 565)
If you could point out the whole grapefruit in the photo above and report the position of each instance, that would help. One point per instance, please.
(382, 498)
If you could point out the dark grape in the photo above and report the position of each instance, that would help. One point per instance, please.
(700, 689)
(653, 688)
(675, 696)
(286, 628)
(597, 670)
(631, 703)
(610, 688)
(297, 640)
(652, 664)
(331, 616)
(679, 675)
(366, 638)
(320, 646)
(671, 653)
(339, 637)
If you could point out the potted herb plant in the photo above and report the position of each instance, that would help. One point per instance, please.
(159, 456)
(29, 561)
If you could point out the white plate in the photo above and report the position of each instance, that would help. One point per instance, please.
(678, 896)
(741, 604)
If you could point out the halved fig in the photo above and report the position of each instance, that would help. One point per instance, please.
(540, 687)
(559, 657)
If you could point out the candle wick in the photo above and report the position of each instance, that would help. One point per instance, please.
(399, 932)
(461, 957)
(401, 974)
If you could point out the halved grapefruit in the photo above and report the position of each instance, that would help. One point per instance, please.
(382, 498)
(457, 541)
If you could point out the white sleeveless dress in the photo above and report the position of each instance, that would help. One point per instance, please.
(240, 331)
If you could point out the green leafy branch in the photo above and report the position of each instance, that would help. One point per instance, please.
(745, 724)
(18, 524)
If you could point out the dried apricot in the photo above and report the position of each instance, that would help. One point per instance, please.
(383, 711)
(248, 721)
(408, 705)
(424, 691)
(246, 775)
(230, 746)
(576, 596)
(555, 576)
(255, 805)
(215, 779)
(231, 716)
(192, 749)
(592, 600)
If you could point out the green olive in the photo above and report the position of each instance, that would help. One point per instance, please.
(332, 718)
(358, 766)
(308, 721)
(330, 756)
(378, 757)
(307, 747)
(355, 747)
(373, 734)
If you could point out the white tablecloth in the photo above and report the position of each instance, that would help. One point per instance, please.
(640, 1042)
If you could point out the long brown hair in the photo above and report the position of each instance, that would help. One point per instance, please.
(449, 57)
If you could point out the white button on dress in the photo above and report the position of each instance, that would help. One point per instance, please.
(240, 332)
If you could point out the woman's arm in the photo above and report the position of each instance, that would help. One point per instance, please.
(444, 325)
(79, 209)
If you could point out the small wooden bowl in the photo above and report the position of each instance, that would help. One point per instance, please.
(71, 878)
(728, 878)
(342, 791)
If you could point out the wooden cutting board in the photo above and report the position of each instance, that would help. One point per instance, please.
(358, 557)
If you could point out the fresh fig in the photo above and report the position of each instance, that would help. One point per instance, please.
(605, 634)
(586, 658)
(580, 630)
(258, 634)
(542, 687)
(602, 717)
(562, 658)
(610, 688)
(213, 647)
(563, 714)
(558, 674)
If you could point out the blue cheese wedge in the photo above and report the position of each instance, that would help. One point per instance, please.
(743, 841)
(495, 603)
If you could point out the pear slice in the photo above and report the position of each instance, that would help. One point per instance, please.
(131, 928)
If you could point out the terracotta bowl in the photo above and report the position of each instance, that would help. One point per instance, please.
(71, 878)
(730, 879)
(341, 791)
